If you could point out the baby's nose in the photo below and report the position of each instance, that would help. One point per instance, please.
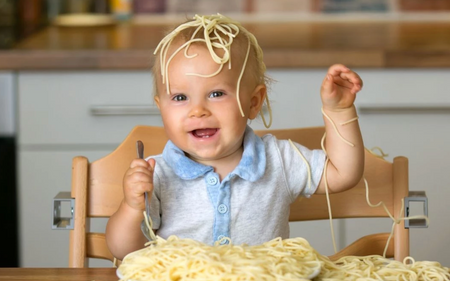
(198, 110)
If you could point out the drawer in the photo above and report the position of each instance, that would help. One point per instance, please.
(92, 107)
(83, 108)
(404, 91)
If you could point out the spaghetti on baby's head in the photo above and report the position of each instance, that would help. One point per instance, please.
(230, 45)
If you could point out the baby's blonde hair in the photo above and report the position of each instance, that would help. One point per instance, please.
(215, 32)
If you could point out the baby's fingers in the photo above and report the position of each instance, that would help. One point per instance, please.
(335, 69)
(351, 77)
(139, 163)
(345, 73)
(152, 163)
(141, 173)
(340, 81)
(354, 82)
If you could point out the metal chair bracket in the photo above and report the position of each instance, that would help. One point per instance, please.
(416, 196)
(60, 222)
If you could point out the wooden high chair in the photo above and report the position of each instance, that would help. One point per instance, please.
(97, 190)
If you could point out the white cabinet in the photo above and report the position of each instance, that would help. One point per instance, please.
(55, 124)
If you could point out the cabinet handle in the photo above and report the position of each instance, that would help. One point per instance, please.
(403, 108)
(120, 110)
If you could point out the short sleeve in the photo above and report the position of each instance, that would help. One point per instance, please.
(303, 167)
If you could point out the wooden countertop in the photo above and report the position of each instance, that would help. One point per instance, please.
(60, 274)
(369, 44)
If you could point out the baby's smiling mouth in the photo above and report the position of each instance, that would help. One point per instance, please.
(204, 133)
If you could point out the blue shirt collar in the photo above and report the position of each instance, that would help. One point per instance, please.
(251, 167)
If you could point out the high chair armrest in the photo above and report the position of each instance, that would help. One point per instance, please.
(367, 245)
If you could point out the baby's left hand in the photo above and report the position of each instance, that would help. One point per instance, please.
(339, 87)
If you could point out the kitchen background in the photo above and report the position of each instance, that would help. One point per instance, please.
(20, 18)
(46, 115)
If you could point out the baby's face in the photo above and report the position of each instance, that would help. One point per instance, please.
(201, 114)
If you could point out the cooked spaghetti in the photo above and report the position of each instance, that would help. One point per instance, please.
(288, 259)
(186, 259)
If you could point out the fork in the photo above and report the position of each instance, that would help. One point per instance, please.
(140, 154)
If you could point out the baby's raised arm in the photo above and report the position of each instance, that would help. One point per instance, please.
(345, 150)
(123, 231)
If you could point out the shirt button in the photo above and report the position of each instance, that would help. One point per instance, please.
(212, 180)
(222, 208)
(222, 242)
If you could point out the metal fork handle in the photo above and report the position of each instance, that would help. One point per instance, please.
(140, 149)
(140, 154)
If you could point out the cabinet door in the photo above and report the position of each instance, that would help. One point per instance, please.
(42, 175)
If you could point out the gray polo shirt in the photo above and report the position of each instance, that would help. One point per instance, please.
(250, 205)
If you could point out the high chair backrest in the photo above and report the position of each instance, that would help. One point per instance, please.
(97, 189)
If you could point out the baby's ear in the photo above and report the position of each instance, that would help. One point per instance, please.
(156, 99)
(257, 100)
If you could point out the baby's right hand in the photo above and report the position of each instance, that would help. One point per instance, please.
(137, 180)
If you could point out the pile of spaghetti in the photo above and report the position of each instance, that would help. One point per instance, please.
(278, 259)
(186, 259)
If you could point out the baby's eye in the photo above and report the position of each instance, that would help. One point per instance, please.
(216, 94)
(179, 98)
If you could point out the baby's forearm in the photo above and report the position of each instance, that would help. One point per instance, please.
(345, 152)
(123, 231)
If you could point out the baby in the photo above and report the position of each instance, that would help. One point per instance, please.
(215, 177)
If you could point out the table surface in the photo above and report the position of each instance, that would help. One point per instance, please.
(300, 44)
(60, 274)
